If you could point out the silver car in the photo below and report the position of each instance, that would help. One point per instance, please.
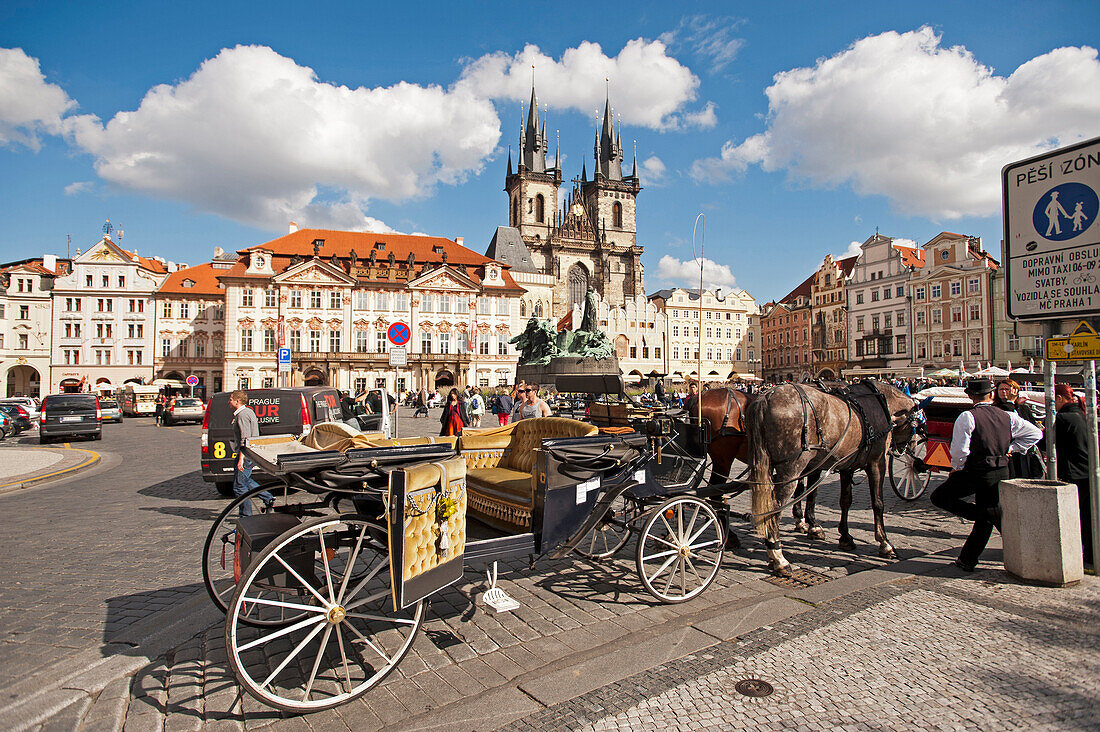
(110, 410)
(184, 409)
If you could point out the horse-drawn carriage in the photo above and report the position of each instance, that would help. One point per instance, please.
(325, 591)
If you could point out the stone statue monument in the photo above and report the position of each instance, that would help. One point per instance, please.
(546, 355)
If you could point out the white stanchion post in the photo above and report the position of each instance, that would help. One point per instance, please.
(1094, 461)
(1048, 422)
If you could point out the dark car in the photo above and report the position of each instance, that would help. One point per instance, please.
(20, 420)
(291, 411)
(69, 415)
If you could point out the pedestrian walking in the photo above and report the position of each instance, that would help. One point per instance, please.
(1071, 442)
(159, 407)
(245, 426)
(476, 406)
(502, 407)
(981, 441)
(455, 416)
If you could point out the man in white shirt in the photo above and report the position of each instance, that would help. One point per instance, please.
(981, 442)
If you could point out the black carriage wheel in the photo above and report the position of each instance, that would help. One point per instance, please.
(219, 549)
(680, 549)
(909, 477)
(349, 638)
(612, 532)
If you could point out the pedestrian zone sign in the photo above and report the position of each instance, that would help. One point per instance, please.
(1083, 344)
(1052, 240)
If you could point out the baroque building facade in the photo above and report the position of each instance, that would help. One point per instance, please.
(103, 319)
(879, 320)
(728, 325)
(828, 332)
(331, 297)
(588, 239)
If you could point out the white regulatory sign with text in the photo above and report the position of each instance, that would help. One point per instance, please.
(1052, 240)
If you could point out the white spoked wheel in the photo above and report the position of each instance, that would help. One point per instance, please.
(680, 549)
(335, 572)
(909, 476)
(612, 532)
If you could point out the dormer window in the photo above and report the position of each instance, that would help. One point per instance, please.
(437, 249)
(188, 283)
(380, 246)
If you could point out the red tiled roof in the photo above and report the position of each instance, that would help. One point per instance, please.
(847, 265)
(802, 290)
(204, 276)
(911, 256)
(342, 243)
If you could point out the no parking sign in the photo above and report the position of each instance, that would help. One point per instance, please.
(399, 333)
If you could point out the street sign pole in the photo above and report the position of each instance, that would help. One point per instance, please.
(1048, 422)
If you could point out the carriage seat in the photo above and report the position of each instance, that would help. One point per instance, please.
(500, 463)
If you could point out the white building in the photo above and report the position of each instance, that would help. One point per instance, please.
(728, 324)
(331, 297)
(103, 319)
(25, 323)
(880, 336)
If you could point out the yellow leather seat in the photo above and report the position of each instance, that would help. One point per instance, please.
(499, 466)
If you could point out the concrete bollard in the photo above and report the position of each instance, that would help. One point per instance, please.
(1041, 531)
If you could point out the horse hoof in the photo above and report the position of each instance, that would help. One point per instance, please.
(802, 527)
(782, 571)
(887, 552)
(847, 544)
(816, 532)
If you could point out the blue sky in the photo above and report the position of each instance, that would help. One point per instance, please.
(796, 128)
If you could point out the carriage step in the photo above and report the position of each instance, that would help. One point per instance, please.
(500, 601)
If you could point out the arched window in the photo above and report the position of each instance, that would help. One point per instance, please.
(540, 208)
(515, 211)
(578, 284)
(522, 309)
(617, 215)
(538, 309)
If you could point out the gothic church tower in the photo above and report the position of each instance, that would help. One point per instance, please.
(591, 240)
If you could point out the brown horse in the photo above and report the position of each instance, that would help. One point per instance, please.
(724, 415)
(792, 435)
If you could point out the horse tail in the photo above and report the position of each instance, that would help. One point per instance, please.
(765, 511)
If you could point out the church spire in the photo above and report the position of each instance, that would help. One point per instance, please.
(509, 160)
(610, 152)
(534, 139)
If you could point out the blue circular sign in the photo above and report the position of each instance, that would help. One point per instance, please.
(1065, 211)
(399, 334)
(192, 380)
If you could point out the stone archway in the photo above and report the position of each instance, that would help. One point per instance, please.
(315, 377)
(24, 380)
(444, 378)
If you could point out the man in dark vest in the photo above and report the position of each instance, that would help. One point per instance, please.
(981, 442)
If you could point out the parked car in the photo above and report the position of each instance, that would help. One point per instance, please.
(20, 420)
(110, 410)
(5, 426)
(28, 403)
(291, 411)
(70, 415)
(184, 409)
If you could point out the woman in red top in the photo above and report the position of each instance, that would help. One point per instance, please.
(454, 416)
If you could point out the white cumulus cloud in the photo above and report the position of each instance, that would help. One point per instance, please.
(929, 127)
(255, 137)
(652, 171)
(685, 273)
(648, 87)
(29, 106)
(79, 186)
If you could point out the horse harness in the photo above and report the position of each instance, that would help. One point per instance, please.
(869, 404)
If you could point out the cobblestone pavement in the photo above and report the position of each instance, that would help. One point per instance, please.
(470, 669)
(923, 653)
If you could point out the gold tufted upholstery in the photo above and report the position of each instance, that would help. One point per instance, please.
(499, 465)
(421, 530)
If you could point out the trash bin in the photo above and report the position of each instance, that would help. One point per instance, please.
(1041, 531)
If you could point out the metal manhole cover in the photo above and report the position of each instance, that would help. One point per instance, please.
(800, 578)
(754, 687)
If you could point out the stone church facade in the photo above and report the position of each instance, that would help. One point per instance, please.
(587, 238)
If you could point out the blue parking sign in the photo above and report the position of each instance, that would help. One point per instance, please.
(284, 355)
